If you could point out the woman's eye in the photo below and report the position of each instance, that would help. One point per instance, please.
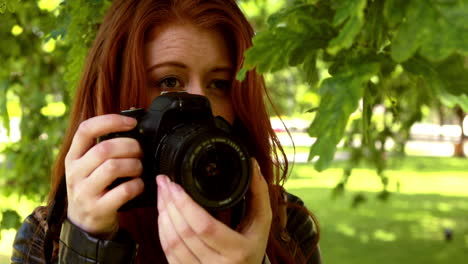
(223, 85)
(169, 83)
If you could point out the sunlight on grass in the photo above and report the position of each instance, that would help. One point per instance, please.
(384, 235)
(443, 176)
(346, 230)
(431, 197)
(377, 231)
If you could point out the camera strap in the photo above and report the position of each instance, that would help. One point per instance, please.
(54, 220)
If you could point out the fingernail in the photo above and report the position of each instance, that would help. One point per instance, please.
(161, 180)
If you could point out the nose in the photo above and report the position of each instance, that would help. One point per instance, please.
(195, 87)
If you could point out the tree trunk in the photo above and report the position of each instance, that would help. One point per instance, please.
(459, 146)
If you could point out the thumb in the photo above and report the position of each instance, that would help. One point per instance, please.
(259, 215)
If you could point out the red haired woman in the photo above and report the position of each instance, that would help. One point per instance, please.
(144, 48)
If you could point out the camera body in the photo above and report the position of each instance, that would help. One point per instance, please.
(180, 138)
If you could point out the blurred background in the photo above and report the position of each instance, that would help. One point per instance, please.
(369, 100)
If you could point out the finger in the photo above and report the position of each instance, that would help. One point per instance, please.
(259, 214)
(171, 259)
(173, 245)
(122, 147)
(200, 250)
(109, 171)
(95, 127)
(212, 232)
(124, 192)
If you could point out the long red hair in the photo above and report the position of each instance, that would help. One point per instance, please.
(114, 79)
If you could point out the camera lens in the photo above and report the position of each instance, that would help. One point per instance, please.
(216, 173)
(212, 166)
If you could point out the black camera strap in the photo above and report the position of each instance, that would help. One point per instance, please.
(54, 219)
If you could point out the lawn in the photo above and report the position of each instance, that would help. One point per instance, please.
(431, 196)
(409, 228)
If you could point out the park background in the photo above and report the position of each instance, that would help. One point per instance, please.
(378, 88)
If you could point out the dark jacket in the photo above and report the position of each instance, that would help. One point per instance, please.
(76, 246)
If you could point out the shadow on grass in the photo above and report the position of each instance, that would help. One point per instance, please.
(409, 228)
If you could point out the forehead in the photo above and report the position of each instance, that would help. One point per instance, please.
(187, 43)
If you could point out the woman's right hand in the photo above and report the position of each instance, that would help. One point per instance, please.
(90, 168)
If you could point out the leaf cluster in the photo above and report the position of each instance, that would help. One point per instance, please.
(41, 56)
(392, 54)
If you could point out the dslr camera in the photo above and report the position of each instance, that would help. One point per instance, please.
(180, 138)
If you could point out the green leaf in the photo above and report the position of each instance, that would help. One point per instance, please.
(454, 73)
(290, 11)
(298, 54)
(242, 73)
(451, 101)
(293, 34)
(437, 29)
(10, 220)
(340, 95)
(310, 69)
(443, 80)
(422, 68)
(412, 33)
(353, 12)
(12, 5)
(373, 33)
(346, 37)
(346, 9)
(394, 11)
(3, 6)
(454, 11)
(63, 23)
(3, 105)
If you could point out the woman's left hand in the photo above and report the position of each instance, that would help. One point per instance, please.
(189, 234)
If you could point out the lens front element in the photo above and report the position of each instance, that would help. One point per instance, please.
(216, 171)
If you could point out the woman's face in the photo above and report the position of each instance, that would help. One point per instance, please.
(182, 57)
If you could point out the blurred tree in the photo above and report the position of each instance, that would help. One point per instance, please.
(41, 54)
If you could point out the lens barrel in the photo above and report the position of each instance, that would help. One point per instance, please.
(212, 166)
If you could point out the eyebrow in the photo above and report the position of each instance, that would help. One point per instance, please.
(167, 64)
(183, 66)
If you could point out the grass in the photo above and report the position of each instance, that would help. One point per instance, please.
(408, 228)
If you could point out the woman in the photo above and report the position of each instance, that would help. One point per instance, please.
(144, 48)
